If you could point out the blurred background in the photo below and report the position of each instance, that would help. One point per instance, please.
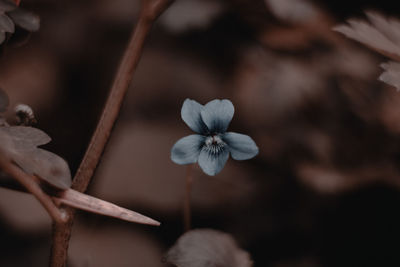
(324, 189)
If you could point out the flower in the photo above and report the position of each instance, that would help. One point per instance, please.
(211, 146)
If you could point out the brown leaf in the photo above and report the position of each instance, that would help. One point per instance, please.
(6, 145)
(205, 248)
(390, 27)
(379, 33)
(25, 137)
(6, 24)
(25, 19)
(7, 5)
(35, 161)
(391, 75)
(46, 165)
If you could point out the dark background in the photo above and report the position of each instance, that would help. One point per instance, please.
(324, 190)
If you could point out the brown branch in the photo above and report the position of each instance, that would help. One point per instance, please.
(29, 183)
(150, 10)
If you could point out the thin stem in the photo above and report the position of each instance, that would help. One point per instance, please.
(151, 9)
(187, 216)
(29, 183)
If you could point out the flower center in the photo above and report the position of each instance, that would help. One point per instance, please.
(214, 144)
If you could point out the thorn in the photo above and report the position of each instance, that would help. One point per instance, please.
(82, 201)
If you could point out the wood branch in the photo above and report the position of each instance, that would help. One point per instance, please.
(151, 9)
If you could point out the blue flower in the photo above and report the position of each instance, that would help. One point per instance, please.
(211, 146)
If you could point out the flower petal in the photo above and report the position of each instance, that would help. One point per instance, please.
(187, 149)
(241, 146)
(217, 115)
(190, 114)
(212, 163)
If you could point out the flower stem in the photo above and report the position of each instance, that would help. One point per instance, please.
(186, 204)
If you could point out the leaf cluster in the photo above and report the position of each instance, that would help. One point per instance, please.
(382, 35)
(20, 144)
(12, 15)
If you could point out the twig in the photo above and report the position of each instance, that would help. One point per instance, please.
(150, 10)
(30, 185)
(187, 216)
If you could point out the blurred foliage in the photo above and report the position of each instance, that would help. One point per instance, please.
(324, 190)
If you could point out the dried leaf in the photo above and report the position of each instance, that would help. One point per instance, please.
(26, 138)
(206, 248)
(4, 100)
(380, 34)
(390, 27)
(391, 75)
(25, 19)
(44, 164)
(292, 10)
(6, 24)
(7, 5)
(6, 145)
